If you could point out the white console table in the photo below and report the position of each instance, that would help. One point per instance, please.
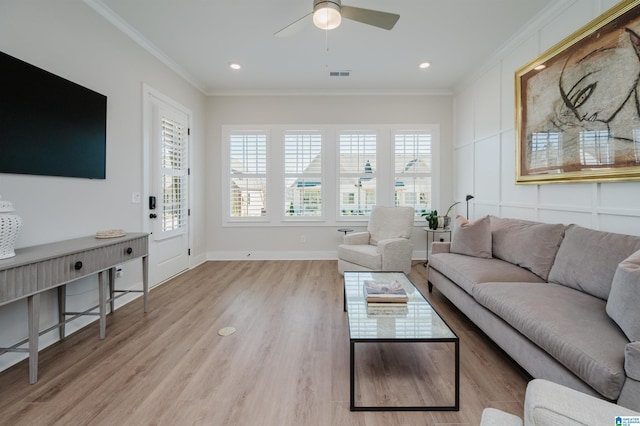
(45, 267)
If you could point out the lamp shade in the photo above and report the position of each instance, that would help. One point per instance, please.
(326, 15)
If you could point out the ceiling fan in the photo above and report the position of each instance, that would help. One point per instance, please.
(328, 14)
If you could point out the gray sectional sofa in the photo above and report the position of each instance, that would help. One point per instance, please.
(562, 300)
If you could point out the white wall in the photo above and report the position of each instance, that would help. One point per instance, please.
(484, 129)
(68, 38)
(321, 239)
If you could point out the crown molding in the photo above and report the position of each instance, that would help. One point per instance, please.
(553, 10)
(138, 38)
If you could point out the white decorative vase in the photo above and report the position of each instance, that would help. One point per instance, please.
(10, 226)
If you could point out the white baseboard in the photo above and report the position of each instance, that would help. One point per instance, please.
(272, 255)
(286, 255)
(197, 260)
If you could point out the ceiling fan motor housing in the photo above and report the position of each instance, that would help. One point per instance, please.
(321, 3)
(326, 14)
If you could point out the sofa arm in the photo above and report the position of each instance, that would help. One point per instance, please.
(632, 360)
(548, 403)
(396, 254)
(630, 394)
(357, 238)
(440, 247)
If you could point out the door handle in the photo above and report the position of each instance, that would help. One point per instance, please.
(153, 216)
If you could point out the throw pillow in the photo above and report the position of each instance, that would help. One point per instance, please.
(531, 245)
(587, 259)
(472, 238)
(624, 299)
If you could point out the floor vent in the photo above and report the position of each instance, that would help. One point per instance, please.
(339, 73)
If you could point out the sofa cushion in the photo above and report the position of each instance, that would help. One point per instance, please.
(532, 245)
(624, 299)
(587, 259)
(569, 325)
(467, 271)
(363, 255)
(472, 238)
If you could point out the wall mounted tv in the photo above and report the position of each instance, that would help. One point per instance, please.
(50, 126)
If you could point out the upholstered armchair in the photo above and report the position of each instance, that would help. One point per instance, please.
(550, 404)
(385, 246)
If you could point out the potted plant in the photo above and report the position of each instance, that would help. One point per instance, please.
(431, 217)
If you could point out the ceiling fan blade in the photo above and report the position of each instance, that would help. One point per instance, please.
(371, 17)
(293, 27)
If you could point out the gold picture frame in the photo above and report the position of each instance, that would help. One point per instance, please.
(578, 104)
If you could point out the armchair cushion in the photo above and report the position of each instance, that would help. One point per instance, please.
(390, 222)
(362, 254)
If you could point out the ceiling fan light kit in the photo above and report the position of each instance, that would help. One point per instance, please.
(326, 14)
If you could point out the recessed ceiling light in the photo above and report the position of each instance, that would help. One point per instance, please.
(540, 67)
(424, 65)
(234, 66)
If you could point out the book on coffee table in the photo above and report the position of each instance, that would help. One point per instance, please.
(378, 291)
(387, 310)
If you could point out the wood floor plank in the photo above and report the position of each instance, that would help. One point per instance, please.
(286, 364)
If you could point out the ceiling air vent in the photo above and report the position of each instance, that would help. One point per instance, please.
(339, 73)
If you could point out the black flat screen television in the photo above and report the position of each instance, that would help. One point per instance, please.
(49, 125)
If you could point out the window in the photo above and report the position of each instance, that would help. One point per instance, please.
(278, 175)
(247, 174)
(357, 173)
(412, 170)
(302, 174)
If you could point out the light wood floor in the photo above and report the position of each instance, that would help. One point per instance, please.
(287, 363)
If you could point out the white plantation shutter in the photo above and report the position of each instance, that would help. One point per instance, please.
(248, 174)
(413, 163)
(357, 165)
(302, 174)
(174, 170)
(285, 175)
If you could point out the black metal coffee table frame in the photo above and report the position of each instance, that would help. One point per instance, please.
(352, 346)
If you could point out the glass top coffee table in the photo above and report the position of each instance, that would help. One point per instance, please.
(414, 321)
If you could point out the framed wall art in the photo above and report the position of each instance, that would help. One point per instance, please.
(578, 104)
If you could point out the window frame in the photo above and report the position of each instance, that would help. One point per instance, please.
(385, 173)
(315, 130)
(360, 130)
(414, 175)
(227, 175)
